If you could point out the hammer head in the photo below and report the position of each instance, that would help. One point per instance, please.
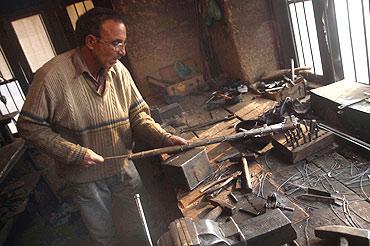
(354, 236)
(248, 156)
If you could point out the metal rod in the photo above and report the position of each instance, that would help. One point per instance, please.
(365, 34)
(299, 31)
(10, 93)
(74, 5)
(20, 90)
(309, 38)
(346, 137)
(143, 220)
(350, 37)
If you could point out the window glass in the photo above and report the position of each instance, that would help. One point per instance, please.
(77, 9)
(34, 40)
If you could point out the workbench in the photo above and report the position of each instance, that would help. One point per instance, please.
(333, 170)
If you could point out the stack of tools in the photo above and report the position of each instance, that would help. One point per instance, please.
(302, 142)
(228, 95)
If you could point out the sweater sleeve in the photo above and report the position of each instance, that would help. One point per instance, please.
(35, 126)
(142, 124)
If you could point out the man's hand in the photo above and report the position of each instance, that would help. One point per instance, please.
(175, 140)
(91, 158)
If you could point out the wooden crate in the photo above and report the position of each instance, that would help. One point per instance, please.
(304, 150)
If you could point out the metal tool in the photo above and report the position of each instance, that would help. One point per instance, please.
(143, 220)
(228, 208)
(326, 199)
(272, 202)
(254, 231)
(200, 126)
(345, 234)
(246, 176)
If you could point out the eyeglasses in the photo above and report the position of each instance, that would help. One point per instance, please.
(116, 45)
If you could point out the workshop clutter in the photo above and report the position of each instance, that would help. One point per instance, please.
(278, 85)
(179, 79)
(227, 95)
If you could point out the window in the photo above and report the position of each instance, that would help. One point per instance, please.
(77, 9)
(10, 91)
(304, 30)
(346, 31)
(34, 40)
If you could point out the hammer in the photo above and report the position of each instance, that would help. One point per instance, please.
(346, 235)
(244, 157)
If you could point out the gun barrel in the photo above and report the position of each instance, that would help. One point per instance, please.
(261, 131)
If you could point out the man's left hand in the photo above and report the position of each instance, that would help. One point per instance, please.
(175, 140)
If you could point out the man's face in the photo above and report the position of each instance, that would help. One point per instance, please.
(111, 45)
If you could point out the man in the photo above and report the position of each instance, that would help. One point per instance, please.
(83, 106)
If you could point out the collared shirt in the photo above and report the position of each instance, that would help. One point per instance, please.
(81, 68)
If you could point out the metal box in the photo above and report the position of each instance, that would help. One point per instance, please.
(188, 169)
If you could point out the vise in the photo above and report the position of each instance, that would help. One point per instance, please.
(272, 228)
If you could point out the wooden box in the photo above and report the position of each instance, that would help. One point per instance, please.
(304, 150)
(295, 92)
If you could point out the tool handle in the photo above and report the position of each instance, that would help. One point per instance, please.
(247, 177)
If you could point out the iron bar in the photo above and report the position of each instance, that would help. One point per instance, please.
(346, 137)
(74, 5)
(299, 31)
(10, 93)
(350, 36)
(143, 220)
(365, 35)
(309, 38)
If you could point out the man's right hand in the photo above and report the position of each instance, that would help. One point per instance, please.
(91, 158)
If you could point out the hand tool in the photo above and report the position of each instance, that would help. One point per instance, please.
(236, 157)
(272, 202)
(327, 199)
(312, 191)
(220, 183)
(287, 124)
(228, 208)
(143, 220)
(346, 235)
(246, 176)
(200, 126)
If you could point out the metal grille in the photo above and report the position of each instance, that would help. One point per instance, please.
(75, 10)
(11, 95)
(353, 25)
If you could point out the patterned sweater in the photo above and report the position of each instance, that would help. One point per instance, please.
(64, 115)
